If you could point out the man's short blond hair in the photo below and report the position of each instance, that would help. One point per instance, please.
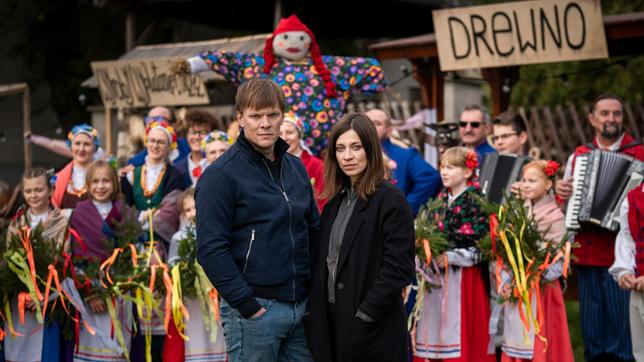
(257, 94)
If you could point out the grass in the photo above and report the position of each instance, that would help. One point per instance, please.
(574, 325)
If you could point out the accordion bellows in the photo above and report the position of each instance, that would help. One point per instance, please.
(601, 180)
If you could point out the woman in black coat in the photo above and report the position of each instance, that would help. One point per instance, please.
(366, 254)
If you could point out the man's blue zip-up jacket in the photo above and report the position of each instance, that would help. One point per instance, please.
(257, 226)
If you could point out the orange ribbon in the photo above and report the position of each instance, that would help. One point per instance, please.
(428, 251)
(494, 223)
(167, 282)
(26, 243)
(23, 298)
(134, 256)
(107, 264)
(566, 264)
(153, 277)
(215, 301)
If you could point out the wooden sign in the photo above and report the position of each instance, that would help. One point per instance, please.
(145, 83)
(515, 33)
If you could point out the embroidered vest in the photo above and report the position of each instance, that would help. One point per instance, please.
(140, 201)
(636, 226)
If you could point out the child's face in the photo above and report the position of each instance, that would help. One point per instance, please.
(36, 192)
(534, 184)
(189, 209)
(454, 176)
(215, 149)
(101, 187)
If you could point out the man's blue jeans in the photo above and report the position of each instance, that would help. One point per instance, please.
(277, 335)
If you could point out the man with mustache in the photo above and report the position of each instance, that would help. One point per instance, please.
(603, 305)
(474, 126)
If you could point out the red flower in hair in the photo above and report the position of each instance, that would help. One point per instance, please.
(551, 168)
(471, 160)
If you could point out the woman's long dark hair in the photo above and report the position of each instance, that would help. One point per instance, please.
(334, 178)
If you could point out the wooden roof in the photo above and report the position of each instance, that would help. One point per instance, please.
(245, 44)
(624, 35)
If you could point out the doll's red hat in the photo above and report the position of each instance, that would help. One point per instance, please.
(292, 23)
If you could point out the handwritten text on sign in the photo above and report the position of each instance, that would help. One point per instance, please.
(516, 33)
(145, 83)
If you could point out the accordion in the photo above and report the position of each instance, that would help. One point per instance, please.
(601, 180)
(498, 173)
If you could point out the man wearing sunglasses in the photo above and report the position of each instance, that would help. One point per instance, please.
(509, 133)
(474, 127)
(161, 114)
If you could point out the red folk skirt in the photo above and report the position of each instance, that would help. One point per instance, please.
(554, 329)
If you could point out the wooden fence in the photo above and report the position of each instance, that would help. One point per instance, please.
(557, 131)
(554, 132)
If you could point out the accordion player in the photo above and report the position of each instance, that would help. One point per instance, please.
(498, 173)
(601, 180)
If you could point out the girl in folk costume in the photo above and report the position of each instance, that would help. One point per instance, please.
(153, 189)
(454, 320)
(628, 268)
(536, 185)
(200, 345)
(214, 145)
(98, 222)
(36, 342)
(70, 181)
(149, 188)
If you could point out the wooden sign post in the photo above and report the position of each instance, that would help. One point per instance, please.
(17, 88)
(143, 83)
(526, 32)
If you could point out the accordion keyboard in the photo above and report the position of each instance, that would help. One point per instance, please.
(578, 189)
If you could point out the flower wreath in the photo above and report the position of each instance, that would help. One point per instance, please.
(215, 136)
(165, 127)
(84, 129)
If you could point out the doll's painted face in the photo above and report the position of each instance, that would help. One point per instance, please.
(291, 45)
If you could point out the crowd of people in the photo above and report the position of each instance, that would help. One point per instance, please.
(314, 259)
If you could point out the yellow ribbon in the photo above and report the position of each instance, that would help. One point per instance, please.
(179, 311)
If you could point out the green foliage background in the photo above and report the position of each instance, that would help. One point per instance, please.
(580, 82)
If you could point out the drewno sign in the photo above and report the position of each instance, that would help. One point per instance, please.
(146, 82)
(525, 32)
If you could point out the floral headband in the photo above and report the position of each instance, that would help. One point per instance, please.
(291, 118)
(52, 177)
(84, 129)
(215, 136)
(551, 168)
(166, 128)
(471, 160)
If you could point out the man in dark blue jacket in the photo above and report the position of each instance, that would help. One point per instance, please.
(258, 233)
(418, 180)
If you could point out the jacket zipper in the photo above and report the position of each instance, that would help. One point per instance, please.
(290, 216)
(250, 247)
